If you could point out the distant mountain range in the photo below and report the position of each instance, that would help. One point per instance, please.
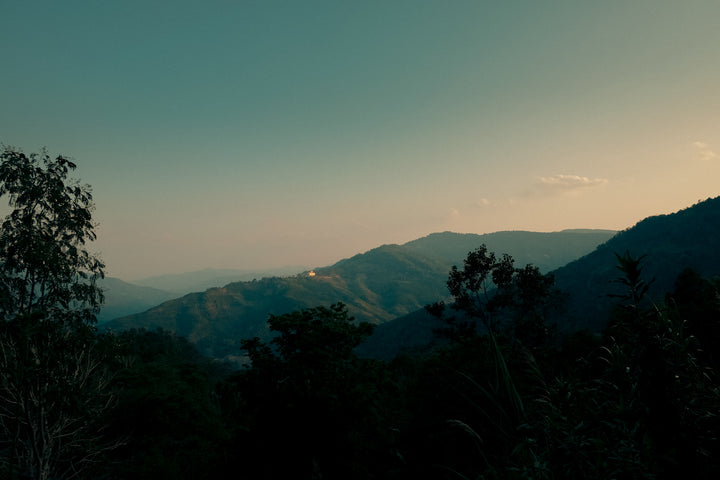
(378, 286)
(391, 284)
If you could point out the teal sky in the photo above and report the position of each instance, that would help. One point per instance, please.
(253, 134)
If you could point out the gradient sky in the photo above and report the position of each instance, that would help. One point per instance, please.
(254, 134)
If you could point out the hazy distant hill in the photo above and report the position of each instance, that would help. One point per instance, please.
(122, 298)
(201, 280)
(378, 286)
(688, 238)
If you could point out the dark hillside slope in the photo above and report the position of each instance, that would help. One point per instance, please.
(688, 238)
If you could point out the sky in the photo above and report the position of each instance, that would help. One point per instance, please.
(259, 134)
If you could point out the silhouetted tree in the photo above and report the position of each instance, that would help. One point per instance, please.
(492, 294)
(44, 265)
(52, 383)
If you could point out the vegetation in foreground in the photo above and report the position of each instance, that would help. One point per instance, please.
(501, 396)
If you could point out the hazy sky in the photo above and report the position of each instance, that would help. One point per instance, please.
(251, 134)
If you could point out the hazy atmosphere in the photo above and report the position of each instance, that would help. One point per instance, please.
(260, 134)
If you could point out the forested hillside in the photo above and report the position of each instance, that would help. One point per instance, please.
(377, 286)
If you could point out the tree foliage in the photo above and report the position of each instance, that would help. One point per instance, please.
(491, 293)
(53, 384)
(44, 265)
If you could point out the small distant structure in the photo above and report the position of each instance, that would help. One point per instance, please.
(311, 273)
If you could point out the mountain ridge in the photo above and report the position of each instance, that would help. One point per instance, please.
(378, 285)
